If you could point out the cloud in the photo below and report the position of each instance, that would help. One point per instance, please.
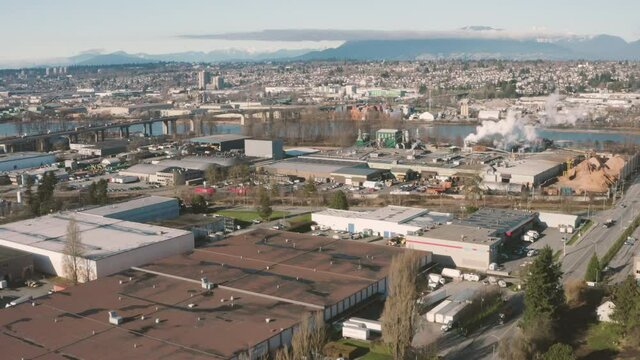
(353, 35)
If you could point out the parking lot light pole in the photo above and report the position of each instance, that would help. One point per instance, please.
(564, 246)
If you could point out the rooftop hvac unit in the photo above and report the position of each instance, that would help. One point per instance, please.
(114, 318)
(206, 284)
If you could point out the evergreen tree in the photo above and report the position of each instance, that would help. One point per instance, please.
(544, 295)
(264, 206)
(92, 192)
(199, 204)
(309, 188)
(339, 201)
(593, 270)
(626, 297)
(559, 352)
(101, 192)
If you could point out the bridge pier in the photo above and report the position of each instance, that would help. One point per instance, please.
(124, 132)
(165, 127)
(42, 145)
(98, 135)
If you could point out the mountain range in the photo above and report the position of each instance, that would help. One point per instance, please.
(229, 55)
(600, 47)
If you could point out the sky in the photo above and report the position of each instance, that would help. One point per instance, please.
(46, 29)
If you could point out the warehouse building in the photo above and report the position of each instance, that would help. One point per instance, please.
(144, 172)
(459, 245)
(318, 169)
(473, 242)
(508, 224)
(145, 209)
(222, 142)
(356, 176)
(25, 160)
(387, 222)
(528, 172)
(110, 245)
(241, 296)
(201, 163)
(105, 148)
(15, 265)
(267, 149)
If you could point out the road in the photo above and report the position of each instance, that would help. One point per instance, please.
(622, 264)
(599, 238)
(483, 345)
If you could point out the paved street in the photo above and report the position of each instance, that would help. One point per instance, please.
(600, 238)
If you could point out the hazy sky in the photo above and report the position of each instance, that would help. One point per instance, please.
(44, 29)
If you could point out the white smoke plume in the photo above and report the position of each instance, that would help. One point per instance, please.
(553, 117)
(513, 129)
(504, 133)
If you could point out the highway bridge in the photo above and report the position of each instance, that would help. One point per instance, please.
(42, 141)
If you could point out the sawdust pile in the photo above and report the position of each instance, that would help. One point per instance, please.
(595, 174)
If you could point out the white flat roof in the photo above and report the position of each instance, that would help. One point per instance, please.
(128, 205)
(530, 167)
(102, 237)
(391, 213)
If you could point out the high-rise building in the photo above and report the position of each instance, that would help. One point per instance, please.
(203, 79)
(47, 71)
(218, 83)
(464, 108)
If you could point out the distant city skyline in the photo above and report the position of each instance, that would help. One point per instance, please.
(42, 30)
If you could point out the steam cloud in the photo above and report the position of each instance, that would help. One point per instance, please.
(513, 129)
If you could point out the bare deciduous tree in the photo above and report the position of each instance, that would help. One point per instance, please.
(399, 315)
(309, 338)
(76, 267)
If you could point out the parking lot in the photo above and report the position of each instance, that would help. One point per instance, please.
(550, 236)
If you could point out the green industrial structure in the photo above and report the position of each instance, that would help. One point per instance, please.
(388, 138)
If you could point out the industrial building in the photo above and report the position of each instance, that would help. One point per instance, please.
(201, 163)
(144, 172)
(109, 245)
(319, 169)
(267, 149)
(473, 242)
(15, 265)
(105, 148)
(528, 172)
(356, 176)
(388, 137)
(508, 224)
(240, 296)
(145, 209)
(222, 142)
(458, 245)
(25, 160)
(389, 221)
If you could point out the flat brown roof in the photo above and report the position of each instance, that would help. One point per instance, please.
(272, 279)
(76, 323)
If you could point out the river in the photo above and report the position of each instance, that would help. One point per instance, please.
(441, 131)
